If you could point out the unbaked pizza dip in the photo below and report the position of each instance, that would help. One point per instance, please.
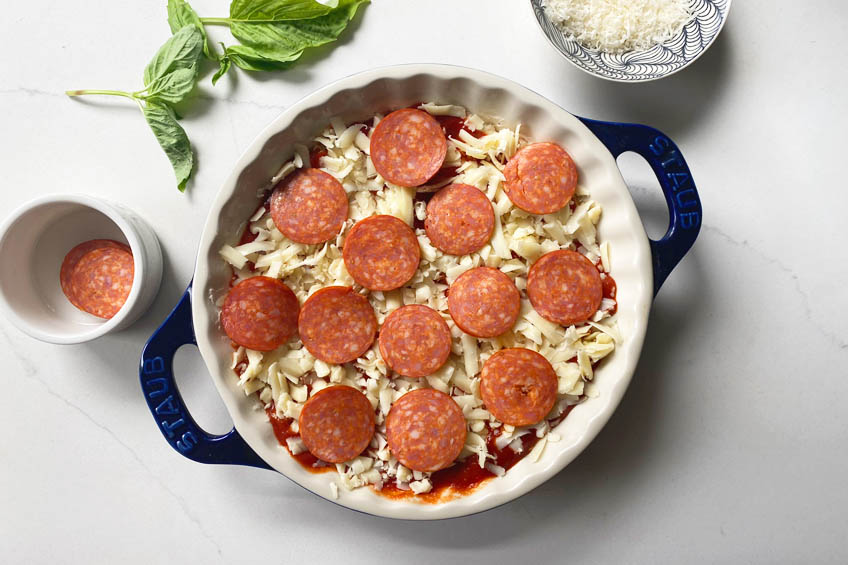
(420, 299)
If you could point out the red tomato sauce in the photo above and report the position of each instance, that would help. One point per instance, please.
(315, 158)
(442, 175)
(248, 236)
(451, 125)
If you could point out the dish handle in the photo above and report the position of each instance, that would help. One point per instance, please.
(684, 204)
(163, 397)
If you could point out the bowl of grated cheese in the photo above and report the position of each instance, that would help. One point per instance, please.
(631, 40)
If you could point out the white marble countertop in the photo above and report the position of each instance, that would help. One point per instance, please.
(730, 445)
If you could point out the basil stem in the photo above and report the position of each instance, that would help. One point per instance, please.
(94, 91)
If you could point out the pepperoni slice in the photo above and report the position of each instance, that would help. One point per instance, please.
(260, 313)
(381, 252)
(72, 259)
(97, 276)
(309, 207)
(460, 219)
(484, 302)
(565, 287)
(415, 341)
(408, 147)
(540, 178)
(336, 424)
(337, 325)
(425, 430)
(74, 255)
(518, 386)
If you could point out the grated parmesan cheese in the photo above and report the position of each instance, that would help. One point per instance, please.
(617, 26)
(289, 375)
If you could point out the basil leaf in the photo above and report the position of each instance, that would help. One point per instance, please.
(181, 51)
(250, 59)
(285, 42)
(173, 139)
(223, 66)
(172, 87)
(277, 10)
(180, 14)
(270, 40)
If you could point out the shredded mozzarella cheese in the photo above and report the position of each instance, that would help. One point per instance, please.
(617, 26)
(289, 375)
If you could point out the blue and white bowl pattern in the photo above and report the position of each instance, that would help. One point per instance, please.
(637, 66)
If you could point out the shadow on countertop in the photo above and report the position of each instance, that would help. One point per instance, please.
(675, 104)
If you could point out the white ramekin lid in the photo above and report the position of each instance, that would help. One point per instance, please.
(34, 240)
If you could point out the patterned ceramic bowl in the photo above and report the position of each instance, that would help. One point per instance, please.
(639, 66)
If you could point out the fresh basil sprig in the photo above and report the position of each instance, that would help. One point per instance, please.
(272, 34)
(168, 79)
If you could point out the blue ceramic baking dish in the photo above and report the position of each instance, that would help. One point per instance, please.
(639, 265)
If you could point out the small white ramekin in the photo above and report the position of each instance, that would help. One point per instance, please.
(34, 240)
